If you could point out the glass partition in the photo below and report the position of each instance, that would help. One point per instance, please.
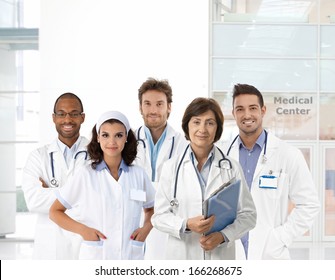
(329, 197)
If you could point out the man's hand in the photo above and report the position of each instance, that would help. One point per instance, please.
(44, 184)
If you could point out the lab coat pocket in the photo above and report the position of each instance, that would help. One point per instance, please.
(91, 250)
(137, 250)
(274, 248)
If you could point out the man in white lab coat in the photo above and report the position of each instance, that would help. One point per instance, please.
(46, 170)
(157, 142)
(277, 174)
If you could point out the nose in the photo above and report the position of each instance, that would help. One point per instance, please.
(202, 127)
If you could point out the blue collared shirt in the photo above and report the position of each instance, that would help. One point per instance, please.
(248, 161)
(102, 165)
(68, 153)
(249, 158)
(204, 172)
(154, 149)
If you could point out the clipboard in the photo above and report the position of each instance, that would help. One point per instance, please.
(223, 204)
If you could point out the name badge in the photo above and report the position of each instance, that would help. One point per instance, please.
(268, 182)
(137, 195)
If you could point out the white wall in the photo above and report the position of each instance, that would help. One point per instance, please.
(103, 50)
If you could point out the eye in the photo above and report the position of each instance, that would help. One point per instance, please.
(211, 123)
(60, 114)
(104, 135)
(74, 114)
(119, 135)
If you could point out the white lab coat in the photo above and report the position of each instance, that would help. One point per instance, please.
(170, 220)
(276, 228)
(112, 207)
(51, 242)
(177, 146)
(156, 240)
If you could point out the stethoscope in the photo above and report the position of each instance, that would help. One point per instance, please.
(223, 163)
(264, 158)
(145, 146)
(54, 183)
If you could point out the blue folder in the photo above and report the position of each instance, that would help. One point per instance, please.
(223, 204)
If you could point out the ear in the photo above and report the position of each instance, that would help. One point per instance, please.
(169, 108)
(83, 117)
(140, 108)
(233, 113)
(263, 110)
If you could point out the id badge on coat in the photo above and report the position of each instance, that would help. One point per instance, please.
(138, 195)
(268, 182)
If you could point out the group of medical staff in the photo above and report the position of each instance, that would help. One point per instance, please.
(181, 171)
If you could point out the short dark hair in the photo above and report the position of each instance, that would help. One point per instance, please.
(69, 95)
(199, 106)
(247, 89)
(128, 153)
(154, 84)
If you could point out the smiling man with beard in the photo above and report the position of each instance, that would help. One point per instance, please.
(47, 169)
(157, 142)
(277, 174)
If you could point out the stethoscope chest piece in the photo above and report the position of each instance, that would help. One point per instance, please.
(174, 202)
(54, 183)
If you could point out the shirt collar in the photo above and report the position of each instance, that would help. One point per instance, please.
(259, 142)
(210, 156)
(102, 165)
(64, 147)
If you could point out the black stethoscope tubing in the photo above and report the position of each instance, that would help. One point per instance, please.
(265, 144)
(145, 146)
(53, 181)
(174, 201)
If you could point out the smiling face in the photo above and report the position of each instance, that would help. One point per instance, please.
(248, 114)
(112, 138)
(202, 130)
(68, 127)
(155, 109)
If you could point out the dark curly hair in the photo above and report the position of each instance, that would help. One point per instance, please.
(128, 153)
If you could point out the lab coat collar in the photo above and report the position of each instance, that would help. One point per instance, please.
(81, 145)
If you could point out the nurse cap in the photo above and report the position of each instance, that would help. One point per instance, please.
(113, 115)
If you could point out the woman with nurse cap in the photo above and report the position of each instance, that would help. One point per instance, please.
(110, 193)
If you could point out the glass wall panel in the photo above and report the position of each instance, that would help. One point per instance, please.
(327, 117)
(289, 116)
(329, 192)
(327, 74)
(266, 74)
(7, 13)
(292, 116)
(327, 39)
(264, 40)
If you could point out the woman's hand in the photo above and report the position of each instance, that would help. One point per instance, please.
(199, 224)
(91, 234)
(211, 241)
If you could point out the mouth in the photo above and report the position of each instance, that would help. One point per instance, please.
(67, 127)
(249, 122)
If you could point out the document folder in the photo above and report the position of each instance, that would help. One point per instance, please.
(223, 204)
